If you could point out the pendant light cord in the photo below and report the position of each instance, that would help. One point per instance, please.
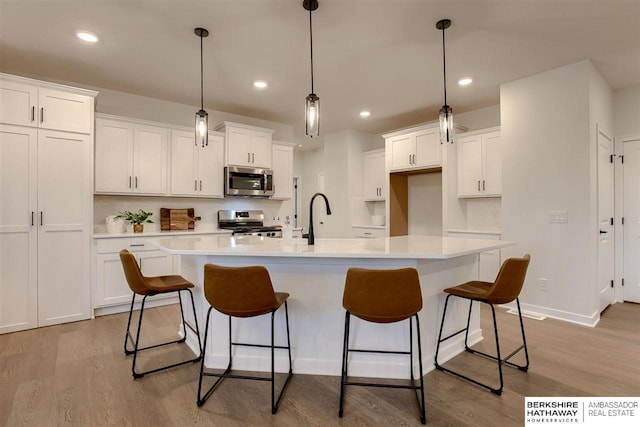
(311, 43)
(444, 66)
(201, 77)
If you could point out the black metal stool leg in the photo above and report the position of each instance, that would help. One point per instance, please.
(345, 353)
(135, 345)
(421, 406)
(276, 405)
(127, 335)
(197, 331)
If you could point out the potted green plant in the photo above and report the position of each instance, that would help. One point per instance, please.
(137, 219)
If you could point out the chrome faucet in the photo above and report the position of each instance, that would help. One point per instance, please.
(311, 238)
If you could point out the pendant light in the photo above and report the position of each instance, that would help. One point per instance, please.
(446, 113)
(202, 118)
(312, 106)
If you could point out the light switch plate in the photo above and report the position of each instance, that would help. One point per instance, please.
(558, 217)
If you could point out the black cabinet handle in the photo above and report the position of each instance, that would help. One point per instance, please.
(33, 113)
(41, 114)
(32, 216)
(603, 232)
(41, 218)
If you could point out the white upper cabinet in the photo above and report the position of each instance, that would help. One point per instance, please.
(479, 164)
(282, 156)
(196, 170)
(416, 148)
(375, 182)
(130, 157)
(247, 145)
(25, 102)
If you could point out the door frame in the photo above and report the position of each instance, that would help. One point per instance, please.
(619, 212)
(601, 132)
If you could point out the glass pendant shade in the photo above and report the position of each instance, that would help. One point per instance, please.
(312, 115)
(446, 124)
(202, 128)
(202, 118)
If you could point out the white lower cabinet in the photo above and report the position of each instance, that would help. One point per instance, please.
(490, 261)
(110, 285)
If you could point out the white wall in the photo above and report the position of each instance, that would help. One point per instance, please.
(626, 108)
(481, 118)
(548, 122)
(146, 108)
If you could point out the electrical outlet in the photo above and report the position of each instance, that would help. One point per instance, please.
(543, 283)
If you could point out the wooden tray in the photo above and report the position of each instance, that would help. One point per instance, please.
(177, 219)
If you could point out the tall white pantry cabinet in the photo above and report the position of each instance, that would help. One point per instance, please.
(46, 193)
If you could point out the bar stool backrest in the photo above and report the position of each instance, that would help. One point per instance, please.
(239, 291)
(382, 296)
(509, 281)
(132, 272)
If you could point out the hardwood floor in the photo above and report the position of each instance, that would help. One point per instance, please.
(77, 374)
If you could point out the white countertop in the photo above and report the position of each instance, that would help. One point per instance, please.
(412, 247)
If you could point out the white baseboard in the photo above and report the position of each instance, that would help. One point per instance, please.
(124, 308)
(566, 316)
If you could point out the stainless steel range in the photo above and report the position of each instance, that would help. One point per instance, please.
(247, 223)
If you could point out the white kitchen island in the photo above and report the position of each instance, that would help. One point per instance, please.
(314, 277)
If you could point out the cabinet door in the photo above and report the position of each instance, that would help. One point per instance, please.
(211, 168)
(492, 164)
(238, 146)
(113, 157)
(374, 176)
(64, 111)
(18, 236)
(260, 149)
(150, 159)
(282, 172)
(155, 263)
(184, 158)
(18, 103)
(64, 204)
(469, 166)
(111, 284)
(428, 148)
(402, 150)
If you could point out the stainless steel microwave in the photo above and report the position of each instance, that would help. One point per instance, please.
(250, 182)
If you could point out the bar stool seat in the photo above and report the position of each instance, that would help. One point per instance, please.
(505, 289)
(383, 296)
(243, 292)
(148, 286)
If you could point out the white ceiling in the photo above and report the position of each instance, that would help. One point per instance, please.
(380, 55)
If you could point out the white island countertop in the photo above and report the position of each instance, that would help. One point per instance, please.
(414, 247)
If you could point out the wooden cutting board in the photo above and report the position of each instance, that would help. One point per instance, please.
(177, 219)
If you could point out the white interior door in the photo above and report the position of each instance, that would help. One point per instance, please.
(605, 217)
(631, 213)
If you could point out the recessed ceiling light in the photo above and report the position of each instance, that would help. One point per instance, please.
(466, 81)
(87, 36)
(260, 84)
(365, 113)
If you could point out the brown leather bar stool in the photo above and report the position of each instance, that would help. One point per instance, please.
(147, 287)
(243, 292)
(505, 289)
(383, 296)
